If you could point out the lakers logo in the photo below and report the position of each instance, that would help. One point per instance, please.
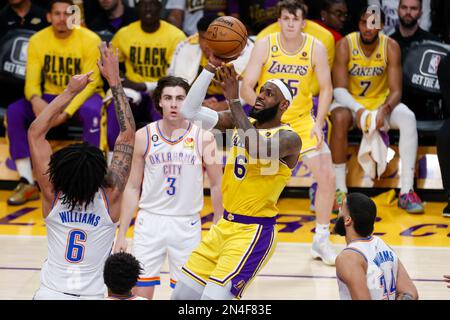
(230, 217)
(188, 143)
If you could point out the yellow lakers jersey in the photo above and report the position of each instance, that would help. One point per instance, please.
(295, 69)
(368, 80)
(147, 55)
(317, 31)
(250, 186)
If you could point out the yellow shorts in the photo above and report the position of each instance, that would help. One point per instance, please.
(232, 251)
(303, 126)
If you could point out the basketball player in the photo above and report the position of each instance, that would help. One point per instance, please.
(121, 273)
(368, 269)
(295, 57)
(81, 195)
(367, 75)
(168, 168)
(259, 165)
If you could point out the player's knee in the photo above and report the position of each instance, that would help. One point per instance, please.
(326, 178)
(341, 118)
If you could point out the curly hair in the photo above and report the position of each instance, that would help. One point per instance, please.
(121, 272)
(77, 171)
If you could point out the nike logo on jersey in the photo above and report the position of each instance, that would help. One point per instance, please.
(94, 130)
(157, 144)
(194, 223)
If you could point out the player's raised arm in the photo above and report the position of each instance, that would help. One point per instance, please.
(284, 145)
(40, 148)
(119, 170)
(192, 108)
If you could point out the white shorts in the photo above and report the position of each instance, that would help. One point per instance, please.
(44, 293)
(156, 236)
(335, 105)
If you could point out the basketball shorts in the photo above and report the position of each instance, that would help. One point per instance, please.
(44, 293)
(157, 236)
(303, 126)
(235, 249)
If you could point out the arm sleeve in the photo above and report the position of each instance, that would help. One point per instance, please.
(91, 55)
(344, 98)
(192, 108)
(33, 71)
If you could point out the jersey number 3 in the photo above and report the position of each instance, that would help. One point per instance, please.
(75, 247)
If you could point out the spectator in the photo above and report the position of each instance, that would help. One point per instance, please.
(17, 14)
(440, 14)
(407, 32)
(390, 7)
(195, 50)
(121, 273)
(354, 7)
(255, 14)
(185, 14)
(443, 136)
(54, 55)
(408, 29)
(146, 48)
(22, 14)
(115, 14)
(333, 15)
(219, 8)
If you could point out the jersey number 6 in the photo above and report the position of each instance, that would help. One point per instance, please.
(75, 247)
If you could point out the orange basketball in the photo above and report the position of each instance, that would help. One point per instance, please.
(227, 37)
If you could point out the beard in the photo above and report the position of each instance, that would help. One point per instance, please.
(368, 42)
(408, 24)
(339, 227)
(264, 115)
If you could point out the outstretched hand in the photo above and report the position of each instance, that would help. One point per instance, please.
(109, 63)
(230, 81)
(78, 82)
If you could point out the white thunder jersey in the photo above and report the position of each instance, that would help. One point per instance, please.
(382, 267)
(173, 172)
(79, 242)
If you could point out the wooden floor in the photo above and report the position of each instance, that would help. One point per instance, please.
(422, 242)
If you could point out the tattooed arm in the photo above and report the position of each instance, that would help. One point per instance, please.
(119, 170)
(40, 148)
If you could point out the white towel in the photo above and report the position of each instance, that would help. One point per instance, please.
(373, 151)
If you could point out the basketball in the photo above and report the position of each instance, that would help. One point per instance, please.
(227, 37)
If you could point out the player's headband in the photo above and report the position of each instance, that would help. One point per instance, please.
(283, 88)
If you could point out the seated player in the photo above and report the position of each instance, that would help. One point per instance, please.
(121, 272)
(367, 75)
(368, 269)
(259, 165)
(54, 55)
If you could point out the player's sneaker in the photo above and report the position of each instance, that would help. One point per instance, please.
(339, 199)
(446, 211)
(22, 193)
(312, 197)
(324, 251)
(410, 202)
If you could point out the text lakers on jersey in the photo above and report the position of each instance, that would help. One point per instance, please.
(368, 80)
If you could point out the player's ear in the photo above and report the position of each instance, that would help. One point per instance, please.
(348, 221)
(49, 17)
(284, 105)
